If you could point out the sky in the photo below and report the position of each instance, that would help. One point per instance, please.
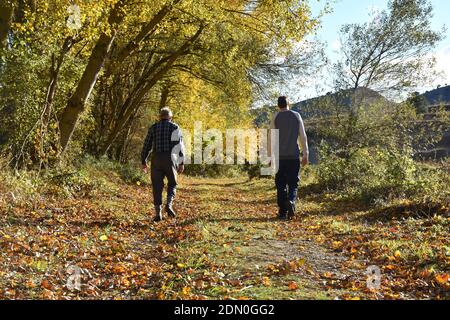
(356, 11)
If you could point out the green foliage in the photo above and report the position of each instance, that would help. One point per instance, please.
(390, 52)
(378, 176)
(192, 59)
(133, 174)
(215, 170)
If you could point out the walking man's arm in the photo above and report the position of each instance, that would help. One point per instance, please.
(303, 142)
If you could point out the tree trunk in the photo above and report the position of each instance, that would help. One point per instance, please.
(133, 103)
(77, 102)
(164, 97)
(6, 12)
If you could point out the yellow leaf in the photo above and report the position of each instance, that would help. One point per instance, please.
(104, 237)
(390, 267)
(397, 254)
(186, 291)
(337, 244)
(181, 266)
(266, 281)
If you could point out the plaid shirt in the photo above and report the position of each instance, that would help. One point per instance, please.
(163, 136)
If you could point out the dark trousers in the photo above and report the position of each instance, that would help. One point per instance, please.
(286, 180)
(162, 167)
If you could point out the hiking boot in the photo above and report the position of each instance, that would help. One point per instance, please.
(282, 214)
(170, 212)
(158, 214)
(290, 205)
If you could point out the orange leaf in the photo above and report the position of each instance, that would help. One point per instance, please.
(119, 269)
(293, 286)
(47, 285)
(442, 278)
(390, 267)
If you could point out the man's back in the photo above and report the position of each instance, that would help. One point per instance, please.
(162, 136)
(290, 126)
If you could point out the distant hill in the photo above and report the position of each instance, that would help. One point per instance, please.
(437, 96)
(312, 108)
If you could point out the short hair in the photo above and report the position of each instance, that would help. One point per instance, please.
(165, 113)
(282, 102)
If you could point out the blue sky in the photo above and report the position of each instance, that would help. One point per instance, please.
(354, 11)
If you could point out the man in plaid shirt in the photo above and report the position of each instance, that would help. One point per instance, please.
(164, 141)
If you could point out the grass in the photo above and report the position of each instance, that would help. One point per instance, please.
(225, 243)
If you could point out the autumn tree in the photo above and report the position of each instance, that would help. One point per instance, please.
(93, 69)
(391, 55)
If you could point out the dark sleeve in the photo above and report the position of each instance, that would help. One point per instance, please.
(148, 143)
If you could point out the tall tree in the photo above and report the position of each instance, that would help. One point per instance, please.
(77, 101)
(6, 14)
(391, 52)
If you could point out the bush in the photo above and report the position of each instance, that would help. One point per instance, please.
(376, 175)
(214, 171)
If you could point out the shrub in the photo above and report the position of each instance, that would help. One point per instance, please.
(376, 175)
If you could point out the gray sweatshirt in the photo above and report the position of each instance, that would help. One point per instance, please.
(290, 126)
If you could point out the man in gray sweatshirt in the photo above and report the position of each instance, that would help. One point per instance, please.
(290, 127)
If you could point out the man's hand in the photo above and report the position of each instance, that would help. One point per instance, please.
(305, 161)
(180, 168)
(145, 168)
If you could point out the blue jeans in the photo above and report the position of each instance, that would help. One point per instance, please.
(286, 180)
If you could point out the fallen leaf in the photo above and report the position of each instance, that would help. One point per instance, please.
(293, 286)
(46, 284)
(104, 237)
(186, 291)
(442, 278)
(266, 281)
(390, 267)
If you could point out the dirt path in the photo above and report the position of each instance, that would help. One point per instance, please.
(225, 244)
(257, 255)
